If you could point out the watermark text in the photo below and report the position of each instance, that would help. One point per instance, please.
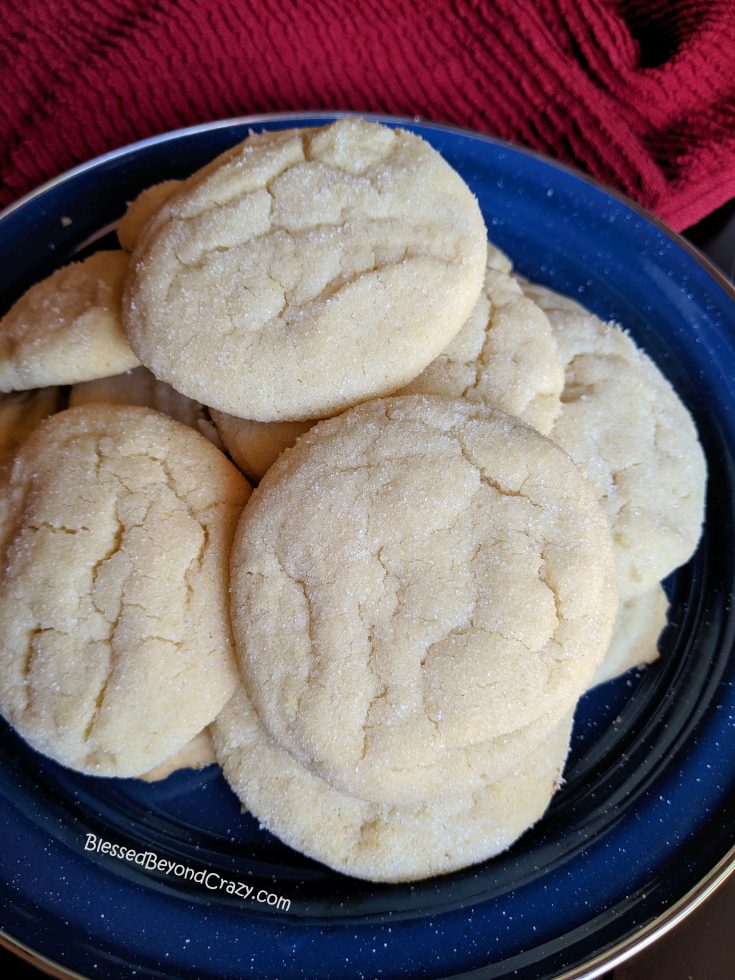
(211, 880)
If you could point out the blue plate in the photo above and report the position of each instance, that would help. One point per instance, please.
(645, 824)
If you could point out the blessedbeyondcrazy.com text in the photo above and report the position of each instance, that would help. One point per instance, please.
(211, 880)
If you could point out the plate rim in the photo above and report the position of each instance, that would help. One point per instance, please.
(662, 924)
(29, 955)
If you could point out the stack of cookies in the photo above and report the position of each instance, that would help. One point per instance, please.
(469, 490)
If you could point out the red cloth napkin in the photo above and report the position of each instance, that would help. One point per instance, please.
(638, 93)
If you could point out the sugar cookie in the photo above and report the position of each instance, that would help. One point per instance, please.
(306, 270)
(115, 638)
(416, 576)
(624, 424)
(67, 328)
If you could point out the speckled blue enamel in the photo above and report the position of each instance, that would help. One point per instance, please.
(649, 803)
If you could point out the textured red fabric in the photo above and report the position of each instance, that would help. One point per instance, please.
(638, 93)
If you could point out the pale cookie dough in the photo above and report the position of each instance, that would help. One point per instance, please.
(141, 210)
(505, 355)
(140, 387)
(115, 642)
(67, 328)
(196, 754)
(414, 577)
(20, 413)
(306, 270)
(255, 446)
(635, 634)
(624, 424)
(372, 840)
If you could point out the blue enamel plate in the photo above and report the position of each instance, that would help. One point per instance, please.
(644, 826)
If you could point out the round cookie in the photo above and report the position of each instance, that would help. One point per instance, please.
(140, 387)
(306, 270)
(20, 413)
(634, 643)
(196, 754)
(414, 577)
(505, 355)
(624, 424)
(372, 840)
(67, 328)
(115, 637)
(141, 210)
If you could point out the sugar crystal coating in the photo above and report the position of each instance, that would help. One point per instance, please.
(114, 534)
(306, 270)
(414, 577)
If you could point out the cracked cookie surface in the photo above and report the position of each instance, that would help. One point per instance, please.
(624, 424)
(115, 533)
(306, 270)
(505, 355)
(414, 577)
(67, 328)
(372, 840)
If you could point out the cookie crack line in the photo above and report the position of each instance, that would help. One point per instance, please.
(545, 579)
(329, 291)
(198, 559)
(311, 668)
(375, 673)
(27, 664)
(481, 362)
(55, 528)
(276, 228)
(493, 484)
(98, 702)
(289, 165)
(115, 548)
(227, 201)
